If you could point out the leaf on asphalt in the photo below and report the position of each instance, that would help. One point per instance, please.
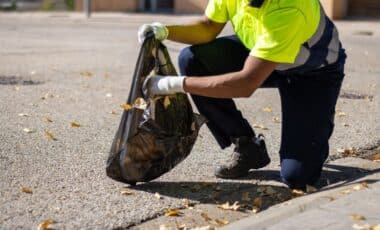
(297, 192)
(345, 124)
(360, 186)
(345, 192)
(126, 192)
(126, 106)
(226, 206)
(260, 127)
(140, 103)
(245, 196)
(75, 124)
(166, 102)
(86, 74)
(23, 115)
(47, 120)
(357, 217)
(311, 189)
(267, 109)
(26, 190)
(221, 222)
(257, 202)
(205, 217)
(341, 114)
(29, 130)
(50, 136)
(113, 112)
(376, 157)
(348, 152)
(173, 212)
(45, 224)
(158, 196)
(276, 120)
(362, 226)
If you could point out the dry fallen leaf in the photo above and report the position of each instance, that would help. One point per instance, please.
(360, 186)
(376, 157)
(267, 109)
(173, 212)
(345, 192)
(203, 228)
(113, 112)
(158, 196)
(75, 124)
(126, 106)
(50, 136)
(86, 74)
(361, 226)
(45, 224)
(341, 114)
(347, 152)
(257, 202)
(226, 206)
(260, 127)
(205, 217)
(345, 124)
(166, 102)
(140, 103)
(47, 120)
(276, 120)
(297, 192)
(357, 217)
(28, 130)
(26, 190)
(23, 115)
(126, 192)
(221, 222)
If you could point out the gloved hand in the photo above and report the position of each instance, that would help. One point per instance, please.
(162, 85)
(160, 31)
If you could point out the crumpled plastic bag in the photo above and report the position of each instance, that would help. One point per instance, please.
(156, 133)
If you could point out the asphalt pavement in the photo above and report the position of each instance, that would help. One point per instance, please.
(59, 68)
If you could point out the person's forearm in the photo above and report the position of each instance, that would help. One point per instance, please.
(201, 31)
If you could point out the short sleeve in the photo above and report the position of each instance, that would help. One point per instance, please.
(217, 11)
(281, 37)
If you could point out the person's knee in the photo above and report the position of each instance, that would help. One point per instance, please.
(297, 174)
(185, 60)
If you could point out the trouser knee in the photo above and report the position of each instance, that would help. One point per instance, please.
(189, 64)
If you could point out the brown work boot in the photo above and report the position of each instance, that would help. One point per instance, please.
(249, 153)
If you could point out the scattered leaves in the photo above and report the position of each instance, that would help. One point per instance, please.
(126, 106)
(113, 112)
(50, 136)
(360, 186)
(221, 222)
(348, 152)
(158, 196)
(205, 217)
(362, 226)
(357, 217)
(245, 197)
(376, 157)
(276, 120)
(86, 74)
(23, 115)
(140, 103)
(297, 192)
(29, 130)
(260, 127)
(166, 102)
(47, 120)
(226, 206)
(45, 224)
(173, 212)
(75, 124)
(126, 192)
(26, 190)
(267, 109)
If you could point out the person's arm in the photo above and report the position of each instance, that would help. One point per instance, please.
(201, 31)
(232, 85)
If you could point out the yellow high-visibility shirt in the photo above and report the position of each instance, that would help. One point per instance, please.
(275, 31)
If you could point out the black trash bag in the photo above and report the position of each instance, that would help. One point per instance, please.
(156, 133)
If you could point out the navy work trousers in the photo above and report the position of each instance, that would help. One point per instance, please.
(308, 106)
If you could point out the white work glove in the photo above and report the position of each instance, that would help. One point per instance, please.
(163, 85)
(160, 31)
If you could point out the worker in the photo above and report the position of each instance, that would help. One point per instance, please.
(287, 44)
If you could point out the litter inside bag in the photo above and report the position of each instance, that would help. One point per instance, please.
(154, 134)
